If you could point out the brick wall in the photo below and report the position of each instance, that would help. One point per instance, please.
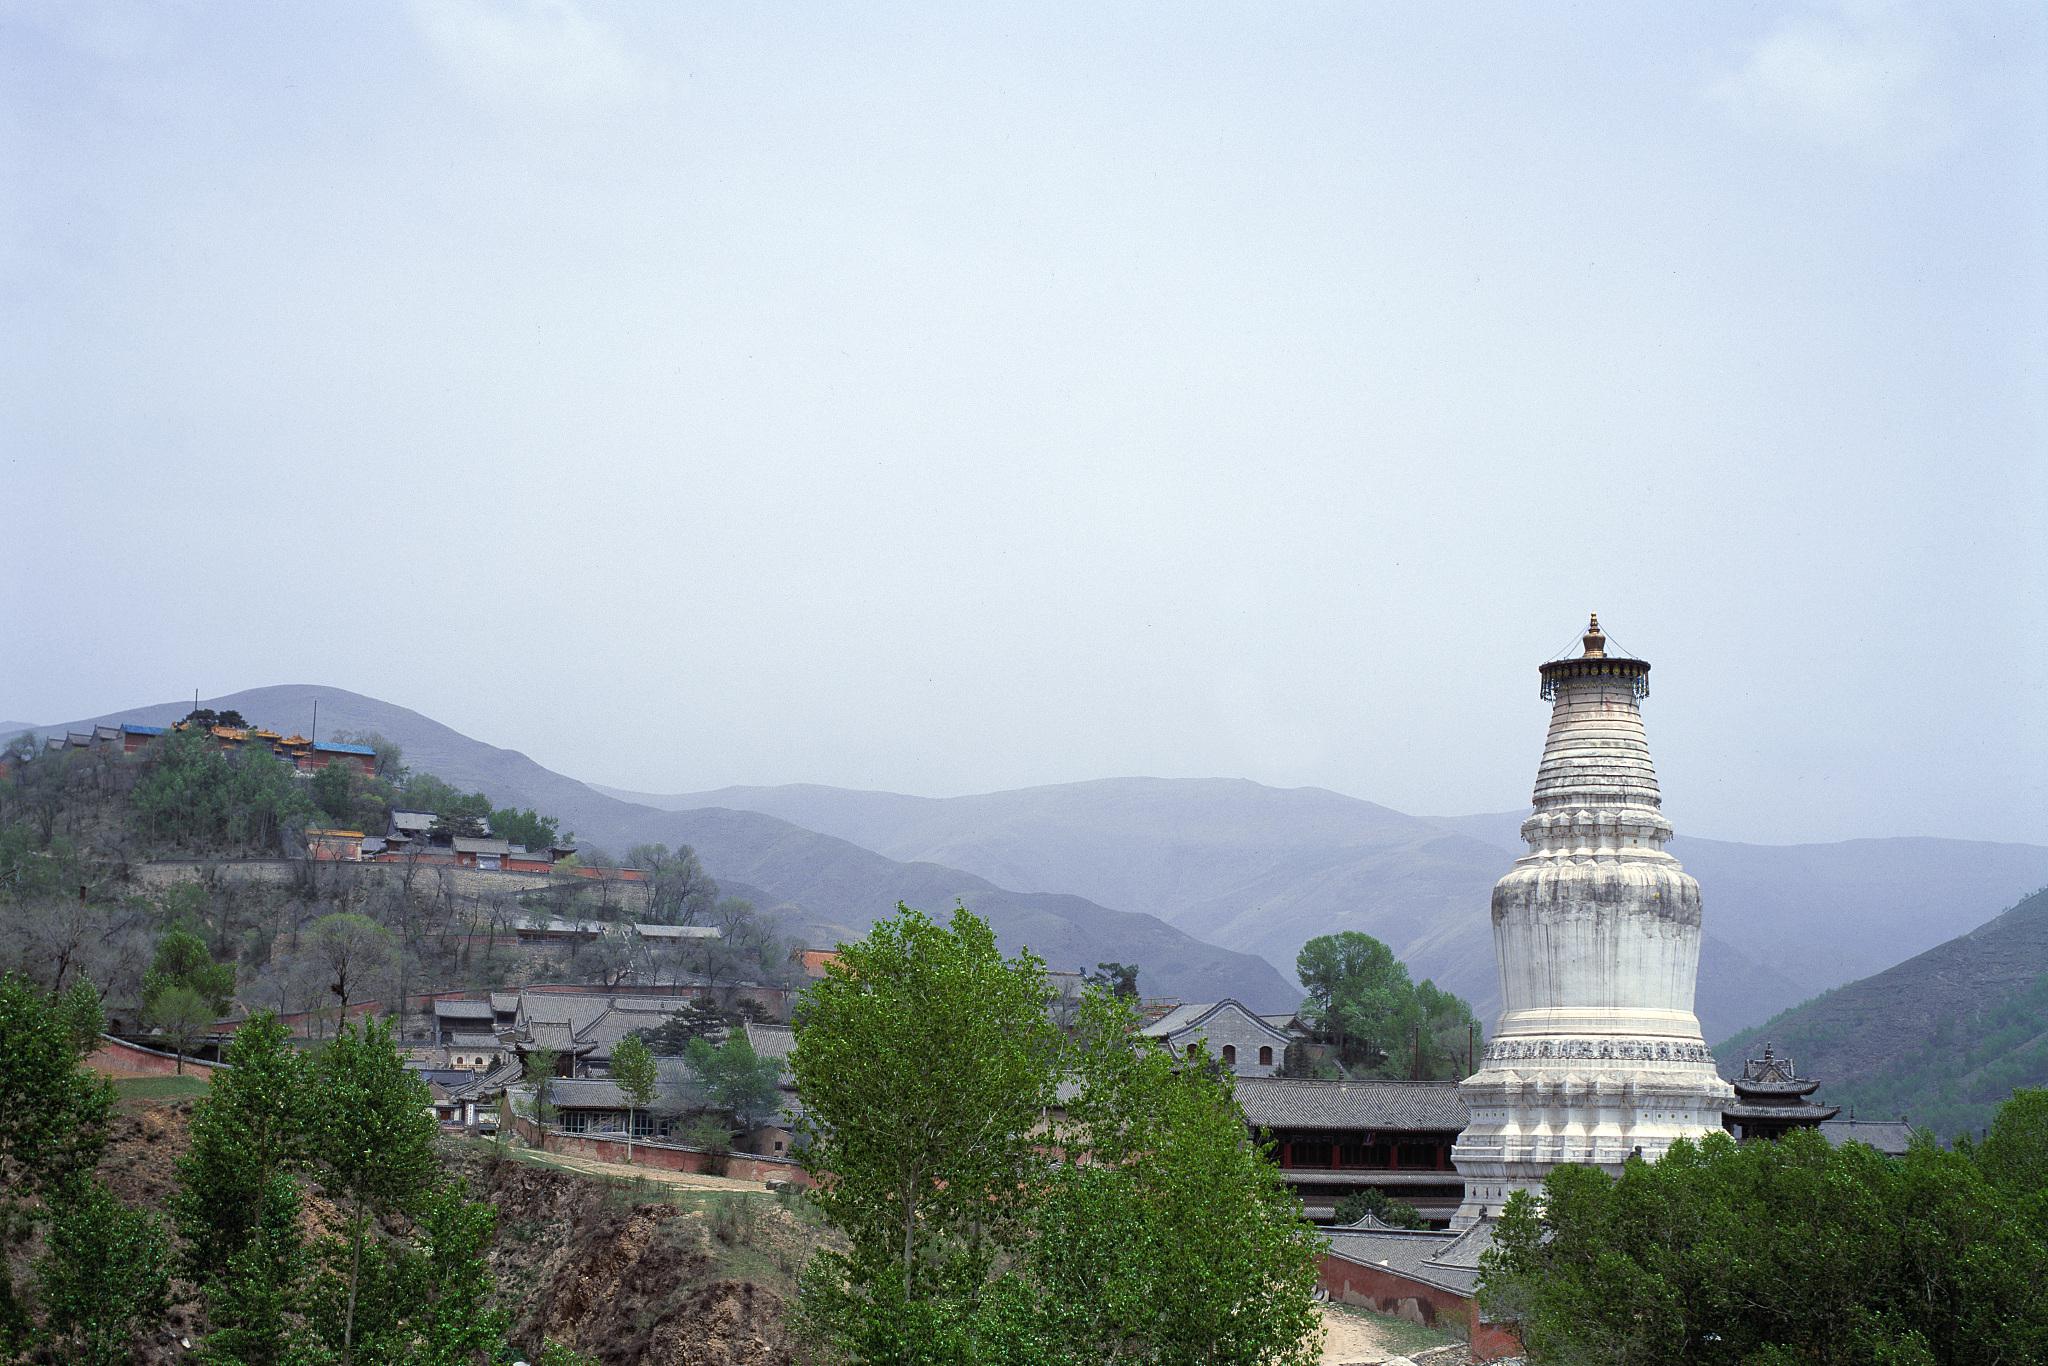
(1388, 1292)
(116, 1058)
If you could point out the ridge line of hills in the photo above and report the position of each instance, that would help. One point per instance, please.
(1265, 869)
(822, 888)
(1216, 882)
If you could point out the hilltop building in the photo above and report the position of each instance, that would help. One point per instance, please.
(1597, 1054)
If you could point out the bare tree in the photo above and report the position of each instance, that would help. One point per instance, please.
(356, 952)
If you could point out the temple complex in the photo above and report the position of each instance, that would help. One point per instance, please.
(1771, 1100)
(1597, 1054)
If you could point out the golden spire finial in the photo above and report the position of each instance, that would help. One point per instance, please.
(1596, 643)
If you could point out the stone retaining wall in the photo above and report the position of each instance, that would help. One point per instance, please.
(664, 1156)
(469, 882)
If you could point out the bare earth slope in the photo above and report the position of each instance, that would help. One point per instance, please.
(835, 887)
(1264, 869)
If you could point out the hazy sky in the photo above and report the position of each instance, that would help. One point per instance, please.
(953, 397)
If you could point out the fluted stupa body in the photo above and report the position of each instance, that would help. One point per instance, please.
(1597, 1053)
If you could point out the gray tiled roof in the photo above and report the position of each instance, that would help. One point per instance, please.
(505, 1002)
(586, 1093)
(550, 1034)
(1185, 1017)
(673, 1081)
(1415, 1254)
(462, 1010)
(1296, 1103)
(607, 1029)
(412, 822)
(466, 845)
(575, 1010)
(464, 1040)
(771, 1041)
(1174, 1019)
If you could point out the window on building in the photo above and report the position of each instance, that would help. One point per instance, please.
(1265, 1055)
(1194, 1050)
(1230, 1055)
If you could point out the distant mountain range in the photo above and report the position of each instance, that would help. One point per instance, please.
(1264, 869)
(1941, 1038)
(1191, 865)
(822, 888)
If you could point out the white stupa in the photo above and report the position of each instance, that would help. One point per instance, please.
(1597, 1053)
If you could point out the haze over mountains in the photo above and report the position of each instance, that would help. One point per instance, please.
(1212, 885)
(1264, 869)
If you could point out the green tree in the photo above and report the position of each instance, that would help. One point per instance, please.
(333, 791)
(456, 1324)
(1790, 1251)
(181, 960)
(1360, 997)
(1120, 979)
(247, 1133)
(1361, 1000)
(538, 1071)
(2014, 1154)
(924, 1059)
(183, 1015)
(691, 1020)
(104, 1273)
(53, 1114)
(741, 1082)
(633, 1070)
(193, 794)
(1165, 1235)
(527, 827)
(253, 1300)
(372, 1145)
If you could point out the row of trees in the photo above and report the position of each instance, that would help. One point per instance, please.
(1792, 1251)
(1142, 1226)
(311, 1215)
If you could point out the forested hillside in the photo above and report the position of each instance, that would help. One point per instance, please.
(819, 887)
(1942, 1038)
(175, 880)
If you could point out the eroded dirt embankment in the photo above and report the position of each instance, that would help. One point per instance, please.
(632, 1275)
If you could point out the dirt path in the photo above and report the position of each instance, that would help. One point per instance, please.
(1349, 1340)
(621, 1172)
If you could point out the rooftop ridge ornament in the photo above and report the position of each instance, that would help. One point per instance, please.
(1595, 662)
